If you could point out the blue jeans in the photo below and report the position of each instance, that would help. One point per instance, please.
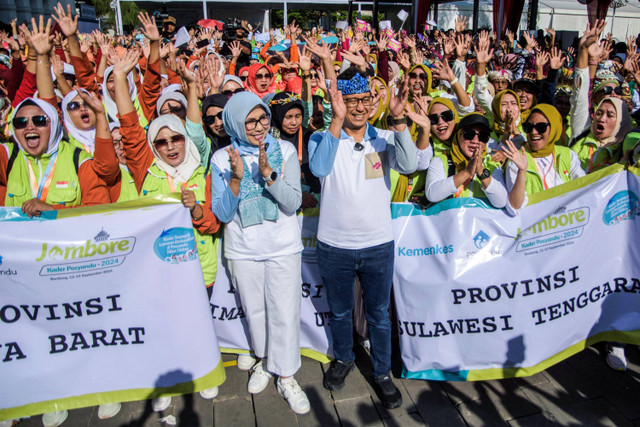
(374, 267)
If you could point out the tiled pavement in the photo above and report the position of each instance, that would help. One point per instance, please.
(582, 390)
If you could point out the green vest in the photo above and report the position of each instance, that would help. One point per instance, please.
(64, 187)
(630, 142)
(155, 183)
(475, 189)
(128, 190)
(562, 165)
(589, 154)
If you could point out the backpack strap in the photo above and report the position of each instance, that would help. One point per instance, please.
(12, 159)
(584, 134)
(76, 158)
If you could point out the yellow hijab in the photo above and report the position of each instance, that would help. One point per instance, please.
(499, 121)
(456, 117)
(459, 159)
(382, 106)
(555, 129)
(427, 86)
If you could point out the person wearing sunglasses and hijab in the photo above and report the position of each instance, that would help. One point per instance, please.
(79, 120)
(466, 170)
(231, 85)
(539, 164)
(256, 193)
(167, 161)
(212, 107)
(261, 80)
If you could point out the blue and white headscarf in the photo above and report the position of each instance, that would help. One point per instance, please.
(256, 203)
(357, 84)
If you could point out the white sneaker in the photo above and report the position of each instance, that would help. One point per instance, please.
(209, 393)
(108, 410)
(246, 362)
(297, 399)
(160, 404)
(259, 379)
(615, 357)
(53, 419)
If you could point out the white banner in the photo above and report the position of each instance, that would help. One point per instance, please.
(94, 309)
(315, 336)
(482, 295)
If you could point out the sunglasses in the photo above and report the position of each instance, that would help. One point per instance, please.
(313, 75)
(540, 127)
(75, 105)
(263, 76)
(447, 116)
(229, 93)
(162, 144)
(38, 121)
(174, 110)
(209, 120)
(422, 76)
(483, 136)
(243, 78)
(608, 90)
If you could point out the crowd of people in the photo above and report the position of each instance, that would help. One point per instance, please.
(348, 120)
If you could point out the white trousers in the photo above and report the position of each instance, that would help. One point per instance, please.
(271, 294)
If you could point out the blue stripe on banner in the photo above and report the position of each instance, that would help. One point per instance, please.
(408, 209)
(435, 375)
(15, 214)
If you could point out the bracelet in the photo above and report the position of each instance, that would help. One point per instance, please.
(400, 121)
(593, 63)
(454, 81)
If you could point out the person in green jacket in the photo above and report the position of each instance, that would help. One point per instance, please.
(539, 164)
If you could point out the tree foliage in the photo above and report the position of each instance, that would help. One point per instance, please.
(107, 15)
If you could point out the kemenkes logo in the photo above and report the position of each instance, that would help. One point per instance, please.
(562, 225)
(176, 245)
(623, 206)
(426, 251)
(101, 246)
(481, 239)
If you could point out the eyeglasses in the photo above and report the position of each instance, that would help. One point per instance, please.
(75, 105)
(117, 141)
(540, 127)
(447, 116)
(353, 102)
(209, 120)
(483, 136)
(38, 121)
(263, 76)
(251, 124)
(174, 110)
(422, 76)
(243, 78)
(229, 93)
(162, 144)
(608, 90)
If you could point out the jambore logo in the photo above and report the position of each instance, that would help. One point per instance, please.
(101, 247)
(426, 251)
(560, 226)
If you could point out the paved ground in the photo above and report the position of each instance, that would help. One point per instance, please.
(582, 390)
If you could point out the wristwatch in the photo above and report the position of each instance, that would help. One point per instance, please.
(400, 121)
(486, 173)
(272, 176)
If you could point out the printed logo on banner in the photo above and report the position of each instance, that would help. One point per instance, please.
(426, 251)
(481, 239)
(8, 271)
(623, 206)
(100, 253)
(554, 231)
(176, 245)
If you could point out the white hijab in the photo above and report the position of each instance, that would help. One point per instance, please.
(109, 103)
(86, 137)
(55, 135)
(191, 161)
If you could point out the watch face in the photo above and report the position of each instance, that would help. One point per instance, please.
(273, 176)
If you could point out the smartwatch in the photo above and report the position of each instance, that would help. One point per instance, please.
(272, 176)
(486, 173)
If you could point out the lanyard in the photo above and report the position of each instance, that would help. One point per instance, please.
(41, 189)
(300, 145)
(172, 185)
(544, 177)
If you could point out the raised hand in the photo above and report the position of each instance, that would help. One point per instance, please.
(127, 63)
(304, 60)
(92, 101)
(399, 100)
(67, 22)
(419, 119)
(443, 71)
(383, 43)
(518, 157)
(40, 38)
(461, 23)
(556, 60)
(235, 163)
(337, 102)
(483, 53)
(149, 28)
(263, 163)
(235, 49)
